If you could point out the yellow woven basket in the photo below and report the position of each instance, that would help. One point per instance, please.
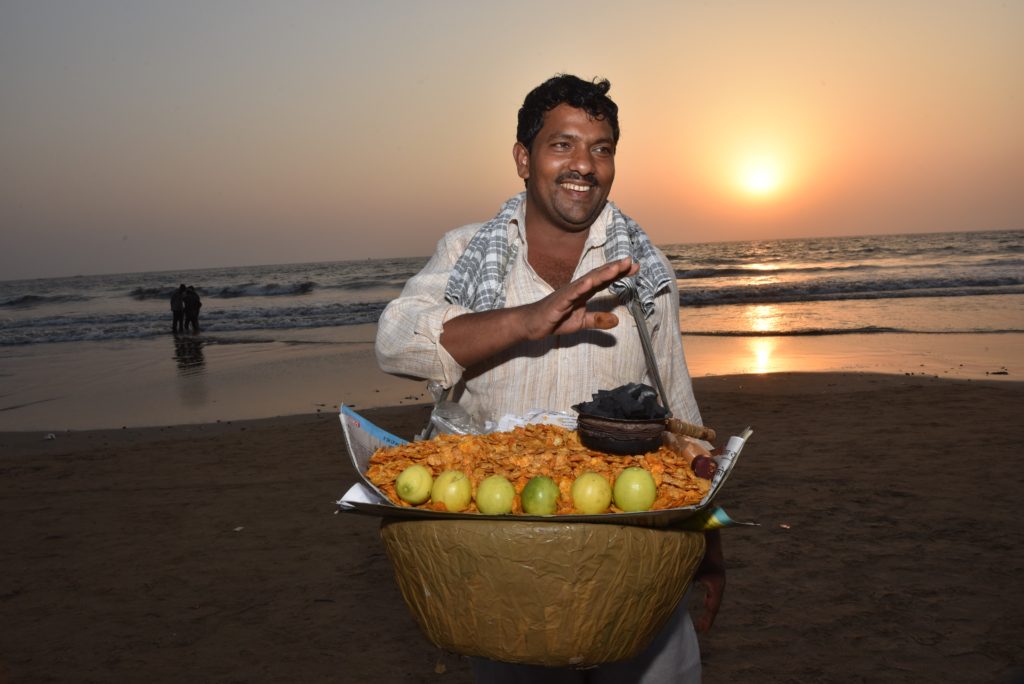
(549, 593)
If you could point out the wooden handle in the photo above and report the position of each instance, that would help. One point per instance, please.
(680, 427)
(702, 466)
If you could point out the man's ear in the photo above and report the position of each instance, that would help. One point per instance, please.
(522, 158)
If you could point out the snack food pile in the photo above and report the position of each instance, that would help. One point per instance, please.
(531, 455)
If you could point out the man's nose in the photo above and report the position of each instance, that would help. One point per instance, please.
(582, 161)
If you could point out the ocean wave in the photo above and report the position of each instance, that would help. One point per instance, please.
(396, 282)
(799, 332)
(261, 290)
(821, 273)
(864, 330)
(250, 289)
(750, 271)
(141, 325)
(776, 293)
(144, 293)
(29, 301)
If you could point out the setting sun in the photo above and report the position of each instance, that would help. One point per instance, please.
(760, 177)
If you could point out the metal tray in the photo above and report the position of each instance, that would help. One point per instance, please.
(363, 438)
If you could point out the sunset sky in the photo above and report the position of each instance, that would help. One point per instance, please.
(140, 135)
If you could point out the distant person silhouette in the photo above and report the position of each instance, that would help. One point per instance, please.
(178, 309)
(192, 306)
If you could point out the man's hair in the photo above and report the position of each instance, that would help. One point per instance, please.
(592, 97)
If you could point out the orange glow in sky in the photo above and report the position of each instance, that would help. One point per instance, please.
(156, 136)
(761, 177)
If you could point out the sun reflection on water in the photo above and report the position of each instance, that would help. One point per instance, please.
(762, 348)
(763, 317)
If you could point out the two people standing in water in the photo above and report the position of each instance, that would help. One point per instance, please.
(185, 305)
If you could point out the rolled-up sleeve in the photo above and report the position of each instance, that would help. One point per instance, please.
(409, 330)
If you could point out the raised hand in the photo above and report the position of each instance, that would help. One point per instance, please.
(564, 311)
(475, 337)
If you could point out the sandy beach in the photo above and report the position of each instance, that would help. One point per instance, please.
(890, 546)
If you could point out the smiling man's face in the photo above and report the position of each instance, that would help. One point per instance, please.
(569, 169)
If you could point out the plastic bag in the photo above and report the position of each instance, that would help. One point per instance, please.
(448, 417)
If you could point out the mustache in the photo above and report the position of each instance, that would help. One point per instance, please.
(573, 176)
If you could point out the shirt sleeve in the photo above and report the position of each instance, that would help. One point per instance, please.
(409, 330)
(668, 349)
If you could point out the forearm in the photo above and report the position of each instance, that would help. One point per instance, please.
(409, 328)
(714, 557)
(711, 575)
(475, 337)
(408, 341)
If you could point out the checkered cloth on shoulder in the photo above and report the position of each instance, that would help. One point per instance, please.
(477, 280)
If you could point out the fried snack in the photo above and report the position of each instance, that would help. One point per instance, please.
(526, 452)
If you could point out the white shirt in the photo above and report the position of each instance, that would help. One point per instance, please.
(553, 373)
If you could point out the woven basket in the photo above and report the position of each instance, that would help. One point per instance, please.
(554, 594)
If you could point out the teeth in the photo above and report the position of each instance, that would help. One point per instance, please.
(577, 188)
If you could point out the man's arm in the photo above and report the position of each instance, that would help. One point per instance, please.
(409, 327)
(711, 575)
(475, 337)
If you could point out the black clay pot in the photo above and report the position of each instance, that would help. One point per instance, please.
(620, 436)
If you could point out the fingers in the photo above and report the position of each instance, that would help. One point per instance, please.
(580, 291)
(564, 311)
(600, 320)
(601, 277)
(614, 270)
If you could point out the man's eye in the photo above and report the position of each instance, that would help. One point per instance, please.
(604, 150)
(561, 145)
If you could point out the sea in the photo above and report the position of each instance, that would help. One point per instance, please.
(933, 283)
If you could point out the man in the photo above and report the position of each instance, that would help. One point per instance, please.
(192, 306)
(515, 314)
(178, 309)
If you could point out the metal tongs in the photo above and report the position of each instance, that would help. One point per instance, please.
(630, 296)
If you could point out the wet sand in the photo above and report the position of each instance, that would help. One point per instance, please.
(890, 545)
(173, 381)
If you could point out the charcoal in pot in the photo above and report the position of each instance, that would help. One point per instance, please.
(630, 401)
